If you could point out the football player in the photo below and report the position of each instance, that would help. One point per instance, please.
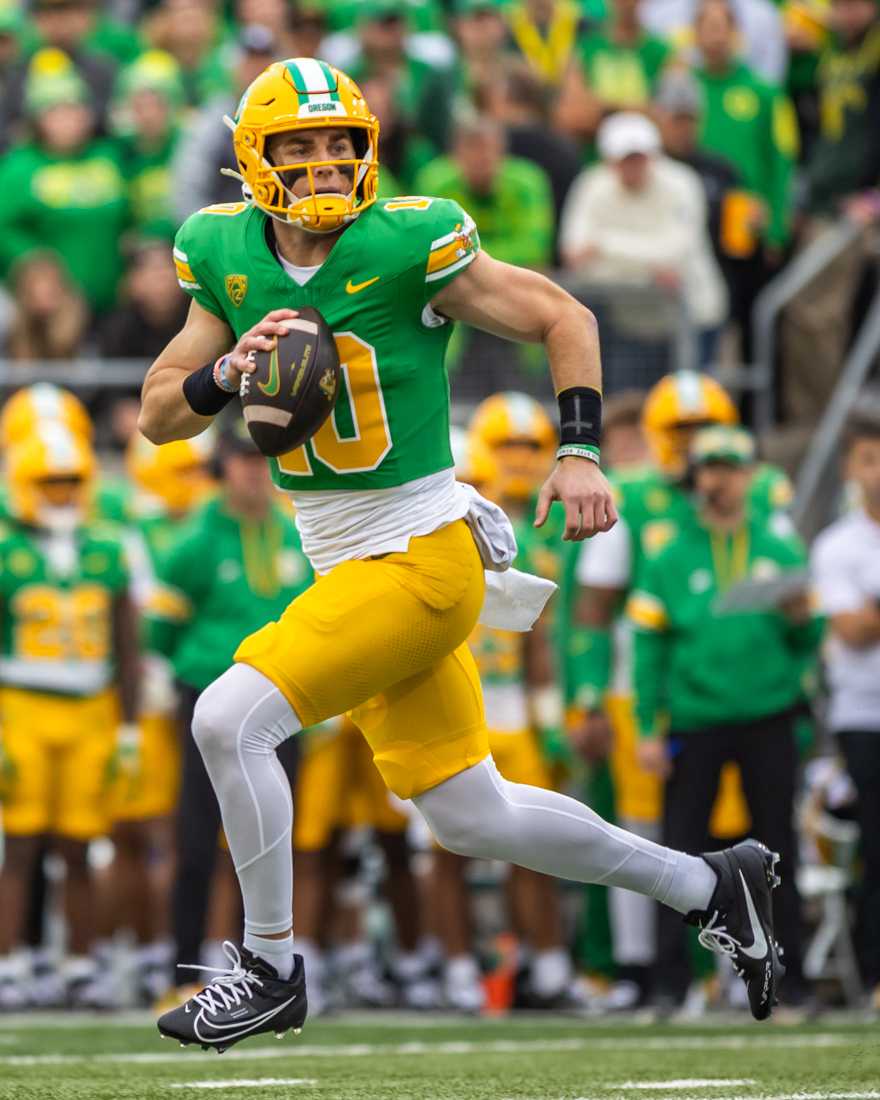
(69, 676)
(383, 632)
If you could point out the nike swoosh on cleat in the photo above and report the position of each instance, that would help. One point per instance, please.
(758, 948)
(257, 1022)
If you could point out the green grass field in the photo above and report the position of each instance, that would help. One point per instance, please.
(370, 1057)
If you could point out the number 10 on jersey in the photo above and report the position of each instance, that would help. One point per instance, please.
(361, 447)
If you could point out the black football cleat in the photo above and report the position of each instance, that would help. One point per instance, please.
(739, 920)
(248, 999)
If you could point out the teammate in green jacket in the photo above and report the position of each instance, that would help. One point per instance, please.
(724, 626)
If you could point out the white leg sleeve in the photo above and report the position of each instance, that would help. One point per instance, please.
(634, 916)
(478, 813)
(239, 722)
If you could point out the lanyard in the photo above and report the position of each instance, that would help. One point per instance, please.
(549, 56)
(261, 543)
(730, 556)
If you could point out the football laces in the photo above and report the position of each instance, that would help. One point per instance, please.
(230, 987)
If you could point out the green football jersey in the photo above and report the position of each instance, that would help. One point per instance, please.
(391, 421)
(56, 627)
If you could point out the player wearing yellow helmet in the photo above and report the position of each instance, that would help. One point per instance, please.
(382, 632)
(68, 676)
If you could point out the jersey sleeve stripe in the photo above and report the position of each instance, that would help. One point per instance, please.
(185, 275)
(446, 254)
(182, 256)
(463, 262)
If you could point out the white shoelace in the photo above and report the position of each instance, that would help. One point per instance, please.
(715, 937)
(230, 987)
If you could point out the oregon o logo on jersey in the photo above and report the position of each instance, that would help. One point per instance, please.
(236, 288)
(741, 103)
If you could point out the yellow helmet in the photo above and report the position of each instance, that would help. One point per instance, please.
(40, 402)
(303, 93)
(51, 452)
(520, 438)
(474, 462)
(675, 407)
(174, 474)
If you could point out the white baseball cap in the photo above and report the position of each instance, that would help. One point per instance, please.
(626, 133)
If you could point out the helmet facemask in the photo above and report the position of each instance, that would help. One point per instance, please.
(298, 96)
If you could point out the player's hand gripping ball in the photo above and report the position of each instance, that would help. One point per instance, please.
(294, 387)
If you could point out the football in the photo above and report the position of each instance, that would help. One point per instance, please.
(294, 388)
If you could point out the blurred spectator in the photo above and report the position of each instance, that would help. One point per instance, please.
(50, 315)
(761, 42)
(383, 38)
(509, 198)
(679, 112)
(696, 675)
(192, 32)
(842, 176)
(12, 31)
(753, 125)
(640, 217)
(480, 34)
(153, 308)
(518, 101)
(846, 565)
(206, 145)
(402, 150)
(617, 66)
(149, 100)
(65, 190)
(278, 16)
(307, 27)
(545, 33)
(63, 29)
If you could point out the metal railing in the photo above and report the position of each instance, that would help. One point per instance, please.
(645, 332)
(808, 511)
(775, 296)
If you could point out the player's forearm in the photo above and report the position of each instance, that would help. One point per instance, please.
(165, 413)
(572, 344)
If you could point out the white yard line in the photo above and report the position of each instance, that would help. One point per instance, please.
(684, 1083)
(245, 1083)
(292, 1048)
(872, 1095)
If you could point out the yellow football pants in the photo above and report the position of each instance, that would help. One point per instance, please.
(385, 640)
(60, 749)
(518, 758)
(153, 793)
(339, 787)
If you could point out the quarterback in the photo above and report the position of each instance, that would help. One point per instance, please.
(382, 634)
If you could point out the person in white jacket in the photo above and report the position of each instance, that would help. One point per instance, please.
(640, 217)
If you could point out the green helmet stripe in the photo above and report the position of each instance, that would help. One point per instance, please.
(298, 81)
(331, 80)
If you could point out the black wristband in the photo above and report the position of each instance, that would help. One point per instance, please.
(580, 417)
(203, 394)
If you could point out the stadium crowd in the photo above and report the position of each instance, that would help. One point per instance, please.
(690, 669)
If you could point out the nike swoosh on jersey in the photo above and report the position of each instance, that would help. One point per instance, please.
(758, 948)
(356, 288)
(220, 1028)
